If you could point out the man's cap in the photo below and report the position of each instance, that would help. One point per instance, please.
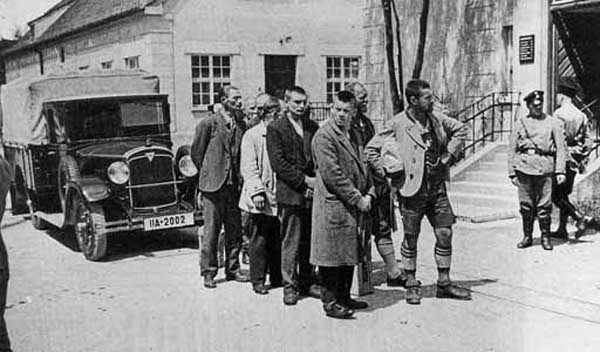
(536, 94)
(568, 86)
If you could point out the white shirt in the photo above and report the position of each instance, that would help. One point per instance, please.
(297, 125)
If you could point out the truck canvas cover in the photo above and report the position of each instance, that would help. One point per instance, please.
(21, 101)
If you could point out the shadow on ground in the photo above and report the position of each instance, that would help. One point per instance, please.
(125, 245)
(385, 297)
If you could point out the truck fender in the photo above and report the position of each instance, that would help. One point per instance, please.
(93, 189)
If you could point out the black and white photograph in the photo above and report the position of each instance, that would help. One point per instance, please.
(299, 175)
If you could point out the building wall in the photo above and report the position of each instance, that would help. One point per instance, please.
(467, 49)
(249, 29)
(531, 17)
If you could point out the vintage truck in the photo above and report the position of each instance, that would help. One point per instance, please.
(92, 153)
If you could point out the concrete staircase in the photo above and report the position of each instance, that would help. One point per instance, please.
(480, 190)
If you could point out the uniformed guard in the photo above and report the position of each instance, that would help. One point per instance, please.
(579, 145)
(537, 154)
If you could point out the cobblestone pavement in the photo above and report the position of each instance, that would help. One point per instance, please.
(148, 297)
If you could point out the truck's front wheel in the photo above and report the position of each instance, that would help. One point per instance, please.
(89, 229)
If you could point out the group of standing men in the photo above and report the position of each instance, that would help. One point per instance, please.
(311, 190)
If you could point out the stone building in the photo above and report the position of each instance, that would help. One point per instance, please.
(477, 47)
(196, 46)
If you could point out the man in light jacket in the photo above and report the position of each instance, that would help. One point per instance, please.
(428, 144)
(258, 199)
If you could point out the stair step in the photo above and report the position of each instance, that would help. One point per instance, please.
(484, 200)
(486, 176)
(478, 214)
(499, 188)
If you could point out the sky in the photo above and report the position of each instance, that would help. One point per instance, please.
(16, 13)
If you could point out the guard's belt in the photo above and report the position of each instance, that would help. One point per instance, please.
(536, 151)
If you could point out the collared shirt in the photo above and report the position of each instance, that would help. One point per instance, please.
(297, 125)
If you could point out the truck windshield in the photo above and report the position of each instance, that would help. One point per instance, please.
(110, 118)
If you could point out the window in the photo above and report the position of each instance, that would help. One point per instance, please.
(209, 74)
(106, 65)
(132, 62)
(341, 70)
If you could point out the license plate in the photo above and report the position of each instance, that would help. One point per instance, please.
(168, 221)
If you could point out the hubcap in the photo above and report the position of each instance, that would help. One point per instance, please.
(85, 225)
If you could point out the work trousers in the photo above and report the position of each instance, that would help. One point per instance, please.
(295, 247)
(560, 197)
(535, 199)
(265, 249)
(335, 282)
(221, 208)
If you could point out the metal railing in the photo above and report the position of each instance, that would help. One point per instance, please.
(489, 118)
(319, 111)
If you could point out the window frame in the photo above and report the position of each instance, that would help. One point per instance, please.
(348, 73)
(130, 59)
(208, 72)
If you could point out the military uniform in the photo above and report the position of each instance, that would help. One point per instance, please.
(537, 152)
(578, 141)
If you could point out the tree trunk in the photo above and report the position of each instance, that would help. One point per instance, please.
(389, 50)
(422, 36)
(399, 57)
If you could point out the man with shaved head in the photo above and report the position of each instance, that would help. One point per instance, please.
(361, 132)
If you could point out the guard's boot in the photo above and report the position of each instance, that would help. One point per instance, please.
(527, 240)
(545, 230)
(547, 242)
(561, 231)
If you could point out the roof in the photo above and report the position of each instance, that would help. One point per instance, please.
(82, 14)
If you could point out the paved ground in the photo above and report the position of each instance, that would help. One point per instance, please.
(148, 297)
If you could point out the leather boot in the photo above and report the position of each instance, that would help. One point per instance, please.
(561, 231)
(527, 240)
(545, 229)
(547, 242)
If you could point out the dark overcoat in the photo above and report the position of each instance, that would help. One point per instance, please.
(216, 151)
(341, 181)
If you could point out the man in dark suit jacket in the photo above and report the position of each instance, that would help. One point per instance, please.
(216, 153)
(361, 132)
(288, 145)
(5, 178)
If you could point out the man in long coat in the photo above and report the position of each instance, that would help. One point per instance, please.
(343, 195)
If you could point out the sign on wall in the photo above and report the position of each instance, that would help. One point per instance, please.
(526, 49)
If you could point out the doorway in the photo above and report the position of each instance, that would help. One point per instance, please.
(280, 73)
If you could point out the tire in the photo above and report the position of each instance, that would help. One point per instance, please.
(18, 194)
(89, 228)
(68, 171)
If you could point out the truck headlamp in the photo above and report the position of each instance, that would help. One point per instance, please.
(187, 167)
(118, 172)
